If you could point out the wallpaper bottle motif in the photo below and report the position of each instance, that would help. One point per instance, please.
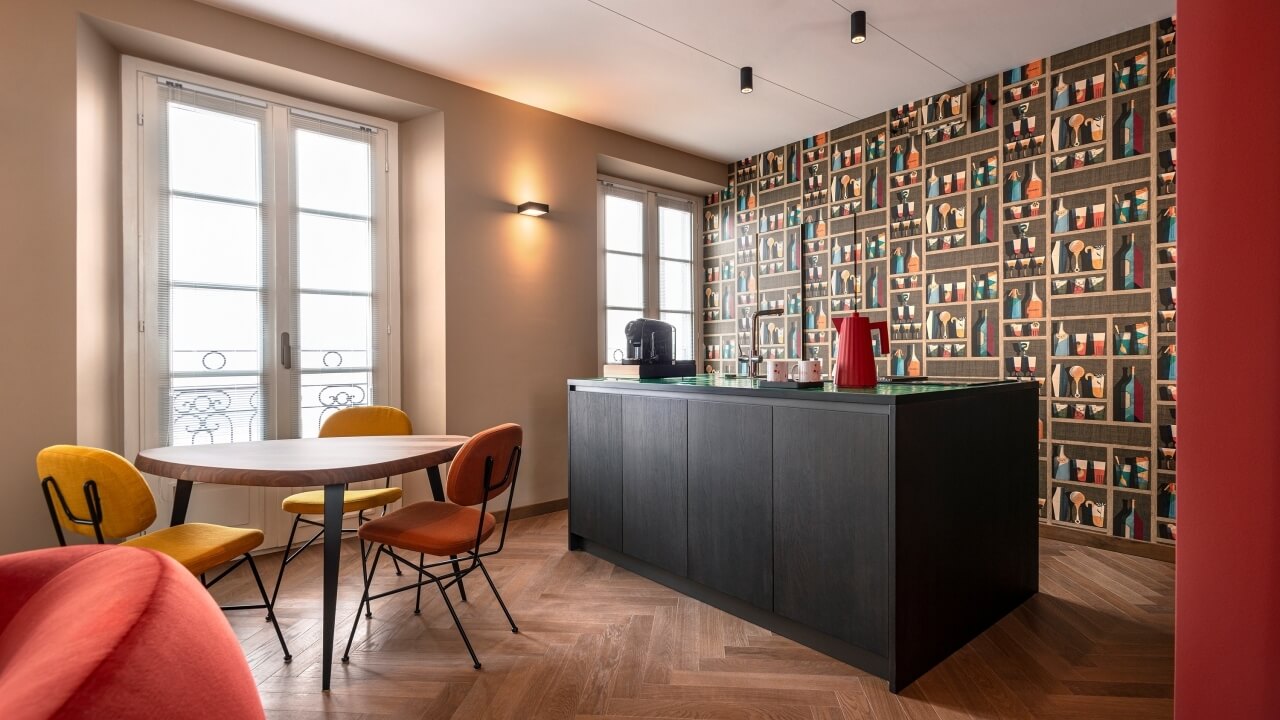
(1013, 186)
(1130, 396)
(1061, 218)
(1130, 138)
(983, 109)
(1062, 342)
(1035, 186)
(1130, 273)
(981, 222)
(981, 336)
(1035, 306)
(1128, 523)
(913, 365)
(1013, 306)
(1168, 92)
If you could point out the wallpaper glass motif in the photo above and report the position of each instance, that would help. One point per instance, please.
(1021, 226)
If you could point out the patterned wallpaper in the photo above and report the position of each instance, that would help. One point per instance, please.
(1021, 226)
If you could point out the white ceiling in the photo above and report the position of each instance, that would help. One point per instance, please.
(583, 59)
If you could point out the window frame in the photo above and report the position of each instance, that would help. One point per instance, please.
(651, 259)
(136, 73)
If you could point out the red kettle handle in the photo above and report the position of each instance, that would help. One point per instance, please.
(883, 328)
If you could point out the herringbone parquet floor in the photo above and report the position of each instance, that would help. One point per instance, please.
(600, 642)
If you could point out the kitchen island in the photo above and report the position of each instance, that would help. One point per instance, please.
(884, 527)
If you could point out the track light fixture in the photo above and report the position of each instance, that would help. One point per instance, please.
(745, 80)
(858, 27)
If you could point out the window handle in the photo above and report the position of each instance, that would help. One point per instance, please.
(286, 352)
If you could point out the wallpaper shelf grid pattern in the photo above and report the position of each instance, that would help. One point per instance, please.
(1021, 226)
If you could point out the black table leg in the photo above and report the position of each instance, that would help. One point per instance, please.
(437, 486)
(332, 548)
(437, 494)
(181, 499)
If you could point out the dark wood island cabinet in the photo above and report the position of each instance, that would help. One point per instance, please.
(883, 527)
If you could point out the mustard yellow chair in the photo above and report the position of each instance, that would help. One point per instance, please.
(361, 420)
(98, 494)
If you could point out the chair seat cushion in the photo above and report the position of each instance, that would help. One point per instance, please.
(311, 502)
(434, 528)
(113, 632)
(198, 546)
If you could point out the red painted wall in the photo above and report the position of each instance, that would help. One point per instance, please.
(1228, 576)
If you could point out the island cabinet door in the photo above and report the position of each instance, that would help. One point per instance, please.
(831, 523)
(731, 499)
(655, 456)
(595, 467)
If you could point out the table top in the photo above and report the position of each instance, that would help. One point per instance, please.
(301, 463)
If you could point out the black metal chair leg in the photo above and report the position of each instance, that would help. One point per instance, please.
(364, 570)
(271, 613)
(497, 595)
(384, 512)
(458, 624)
(364, 599)
(284, 560)
(417, 603)
(457, 571)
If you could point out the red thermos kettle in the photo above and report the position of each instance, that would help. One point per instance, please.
(855, 363)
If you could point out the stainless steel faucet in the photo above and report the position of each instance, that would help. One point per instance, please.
(753, 360)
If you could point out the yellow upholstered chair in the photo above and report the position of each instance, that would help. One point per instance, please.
(99, 494)
(360, 420)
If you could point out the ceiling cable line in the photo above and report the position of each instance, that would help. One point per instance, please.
(901, 44)
(717, 58)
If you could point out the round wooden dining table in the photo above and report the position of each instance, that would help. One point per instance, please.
(331, 462)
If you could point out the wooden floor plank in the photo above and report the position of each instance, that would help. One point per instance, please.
(600, 642)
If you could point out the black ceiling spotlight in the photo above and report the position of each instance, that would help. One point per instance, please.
(858, 27)
(745, 85)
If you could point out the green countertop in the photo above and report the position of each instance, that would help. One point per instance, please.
(883, 393)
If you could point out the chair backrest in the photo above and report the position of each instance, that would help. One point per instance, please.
(366, 420)
(127, 505)
(466, 472)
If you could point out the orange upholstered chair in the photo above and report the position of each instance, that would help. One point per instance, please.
(485, 468)
(102, 631)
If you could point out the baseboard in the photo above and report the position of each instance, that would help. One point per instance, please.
(535, 509)
(1154, 551)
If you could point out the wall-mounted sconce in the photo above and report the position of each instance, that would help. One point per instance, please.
(533, 209)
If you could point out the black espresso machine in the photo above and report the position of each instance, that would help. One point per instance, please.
(650, 352)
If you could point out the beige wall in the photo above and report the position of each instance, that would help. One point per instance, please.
(519, 294)
(423, 290)
(98, 249)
